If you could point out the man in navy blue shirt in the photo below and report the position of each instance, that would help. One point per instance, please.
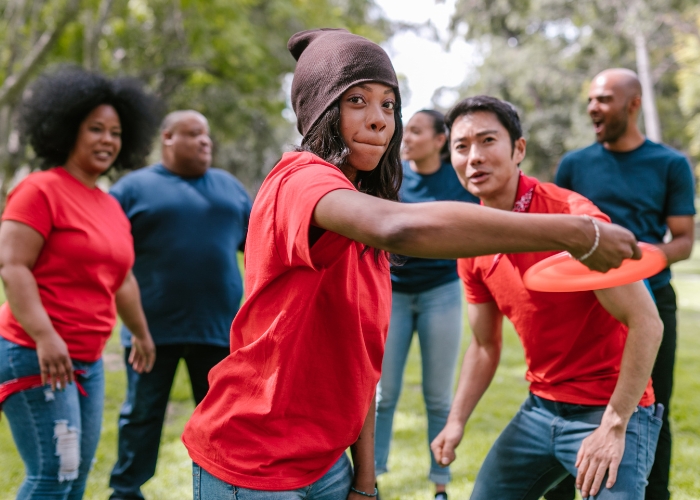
(188, 221)
(649, 189)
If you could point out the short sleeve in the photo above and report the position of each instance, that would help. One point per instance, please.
(563, 176)
(120, 190)
(475, 290)
(248, 206)
(580, 205)
(680, 197)
(297, 196)
(28, 204)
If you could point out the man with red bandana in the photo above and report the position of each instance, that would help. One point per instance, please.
(591, 411)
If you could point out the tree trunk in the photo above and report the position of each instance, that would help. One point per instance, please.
(651, 116)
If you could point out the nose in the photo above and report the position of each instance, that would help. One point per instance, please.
(592, 106)
(474, 156)
(376, 118)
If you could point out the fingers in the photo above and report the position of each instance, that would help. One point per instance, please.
(57, 373)
(591, 473)
(636, 252)
(443, 450)
(612, 473)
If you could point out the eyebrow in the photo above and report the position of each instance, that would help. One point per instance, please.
(369, 89)
(478, 134)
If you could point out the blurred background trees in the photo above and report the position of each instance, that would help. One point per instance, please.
(228, 59)
(542, 54)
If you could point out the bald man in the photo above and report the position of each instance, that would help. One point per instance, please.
(649, 189)
(188, 220)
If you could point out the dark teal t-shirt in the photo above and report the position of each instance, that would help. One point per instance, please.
(186, 234)
(418, 275)
(638, 189)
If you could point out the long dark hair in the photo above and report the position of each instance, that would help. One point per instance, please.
(324, 140)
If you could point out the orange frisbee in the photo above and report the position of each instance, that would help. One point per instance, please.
(563, 273)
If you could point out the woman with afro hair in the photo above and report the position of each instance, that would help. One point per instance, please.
(65, 259)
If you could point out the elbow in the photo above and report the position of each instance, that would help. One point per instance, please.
(395, 235)
(656, 331)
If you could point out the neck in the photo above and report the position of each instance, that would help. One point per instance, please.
(426, 166)
(629, 141)
(350, 172)
(89, 180)
(505, 198)
(182, 170)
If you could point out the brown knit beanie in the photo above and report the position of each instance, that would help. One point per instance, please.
(330, 61)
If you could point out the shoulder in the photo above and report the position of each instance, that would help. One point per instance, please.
(663, 149)
(136, 178)
(582, 154)
(308, 166)
(226, 177)
(553, 199)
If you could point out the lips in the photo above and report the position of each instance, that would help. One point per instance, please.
(479, 177)
(103, 155)
(368, 142)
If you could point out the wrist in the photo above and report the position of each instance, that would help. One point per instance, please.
(370, 492)
(364, 483)
(582, 238)
(614, 420)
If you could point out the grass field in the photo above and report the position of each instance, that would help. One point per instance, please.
(409, 456)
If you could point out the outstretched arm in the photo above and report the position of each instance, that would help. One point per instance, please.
(602, 451)
(478, 368)
(453, 229)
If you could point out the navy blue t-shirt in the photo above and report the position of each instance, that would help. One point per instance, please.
(638, 189)
(186, 234)
(418, 275)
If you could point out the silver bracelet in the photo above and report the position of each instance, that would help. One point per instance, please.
(364, 493)
(595, 243)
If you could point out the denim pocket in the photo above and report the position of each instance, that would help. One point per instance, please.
(653, 430)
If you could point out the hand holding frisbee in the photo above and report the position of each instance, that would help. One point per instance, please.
(562, 273)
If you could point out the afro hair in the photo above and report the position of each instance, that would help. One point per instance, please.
(59, 101)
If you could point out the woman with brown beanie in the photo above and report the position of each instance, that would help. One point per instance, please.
(306, 347)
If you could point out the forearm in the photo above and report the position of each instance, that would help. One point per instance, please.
(677, 249)
(638, 357)
(453, 230)
(129, 307)
(478, 369)
(363, 454)
(25, 303)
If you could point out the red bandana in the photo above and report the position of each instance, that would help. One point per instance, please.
(523, 199)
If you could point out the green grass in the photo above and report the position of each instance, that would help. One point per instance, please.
(408, 461)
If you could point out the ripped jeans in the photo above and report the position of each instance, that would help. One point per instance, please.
(56, 432)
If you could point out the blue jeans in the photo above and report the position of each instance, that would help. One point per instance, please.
(538, 448)
(334, 485)
(143, 412)
(436, 315)
(56, 432)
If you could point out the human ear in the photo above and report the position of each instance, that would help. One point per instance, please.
(519, 150)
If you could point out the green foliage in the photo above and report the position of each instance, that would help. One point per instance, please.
(687, 53)
(542, 54)
(225, 58)
(408, 461)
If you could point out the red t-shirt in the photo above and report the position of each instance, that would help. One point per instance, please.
(306, 347)
(86, 255)
(573, 346)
